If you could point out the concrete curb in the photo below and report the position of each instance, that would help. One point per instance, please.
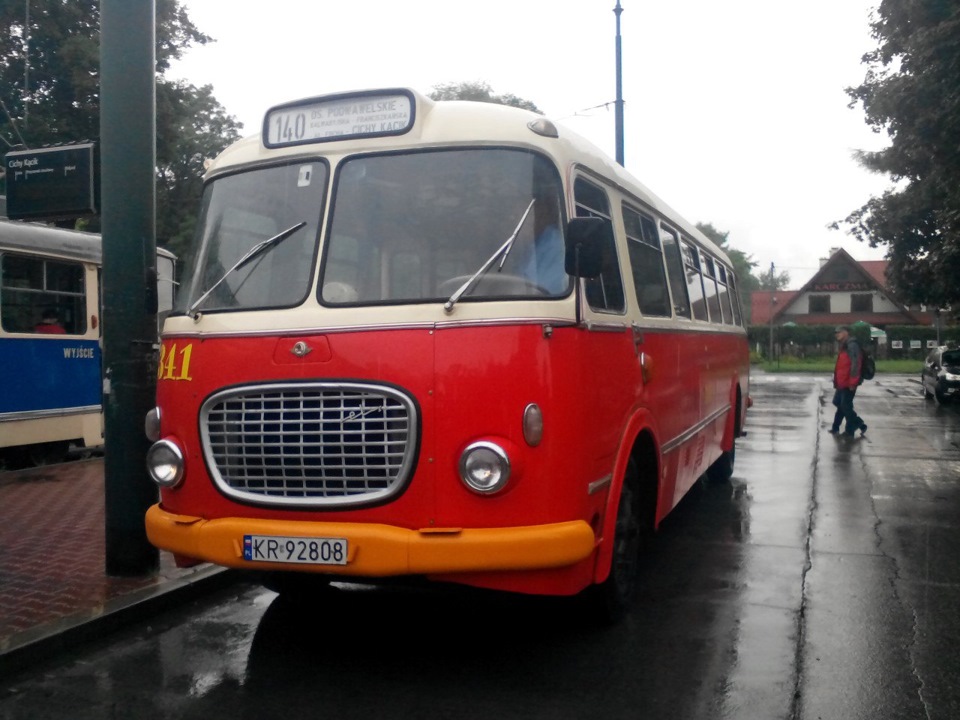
(46, 641)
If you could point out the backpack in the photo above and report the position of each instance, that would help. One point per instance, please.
(868, 368)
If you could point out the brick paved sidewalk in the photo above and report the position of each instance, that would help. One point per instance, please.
(52, 567)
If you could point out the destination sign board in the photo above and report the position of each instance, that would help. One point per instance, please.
(337, 117)
(52, 183)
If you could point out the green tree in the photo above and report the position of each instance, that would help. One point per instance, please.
(911, 92)
(479, 91)
(50, 93)
(744, 266)
(191, 127)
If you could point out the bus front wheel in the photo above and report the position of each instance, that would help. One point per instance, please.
(614, 595)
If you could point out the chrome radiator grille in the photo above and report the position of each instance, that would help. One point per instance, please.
(310, 444)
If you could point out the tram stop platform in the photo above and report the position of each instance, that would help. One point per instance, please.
(54, 588)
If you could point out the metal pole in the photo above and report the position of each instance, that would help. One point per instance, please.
(26, 67)
(773, 307)
(619, 103)
(128, 159)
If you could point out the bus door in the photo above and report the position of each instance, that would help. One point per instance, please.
(612, 380)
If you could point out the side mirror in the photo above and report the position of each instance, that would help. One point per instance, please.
(586, 239)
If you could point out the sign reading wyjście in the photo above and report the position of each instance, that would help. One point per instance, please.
(52, 183)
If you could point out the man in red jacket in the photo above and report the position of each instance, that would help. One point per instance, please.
(846, 379)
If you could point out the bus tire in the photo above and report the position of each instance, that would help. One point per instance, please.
(614, 595)
(295, 585)
(722, 469)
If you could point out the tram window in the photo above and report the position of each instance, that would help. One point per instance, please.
(710, 288)
(646, 263)
(42, 296)
(691, 267)
(605, 292)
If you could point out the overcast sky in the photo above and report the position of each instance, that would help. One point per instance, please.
(735, 114)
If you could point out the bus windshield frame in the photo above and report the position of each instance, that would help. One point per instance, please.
(404, 228)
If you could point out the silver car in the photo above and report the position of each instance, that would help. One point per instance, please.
(940, 376)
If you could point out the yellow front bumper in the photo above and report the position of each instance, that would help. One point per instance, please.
(379, 550)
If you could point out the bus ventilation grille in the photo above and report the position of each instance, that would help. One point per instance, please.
(310, 445)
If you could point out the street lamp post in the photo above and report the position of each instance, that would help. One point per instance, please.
(618, 106)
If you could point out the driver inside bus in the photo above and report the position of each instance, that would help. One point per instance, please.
(543, 263)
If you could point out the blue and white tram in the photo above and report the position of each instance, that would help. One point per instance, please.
(50, 329)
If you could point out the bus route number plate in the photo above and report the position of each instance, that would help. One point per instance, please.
(300, 550)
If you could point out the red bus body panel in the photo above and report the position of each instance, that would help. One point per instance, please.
(472, 383)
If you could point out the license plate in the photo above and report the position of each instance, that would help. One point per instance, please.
(301, 550)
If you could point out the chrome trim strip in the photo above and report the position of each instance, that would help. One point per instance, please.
(598, 485)
(53, 413)
(689, 434)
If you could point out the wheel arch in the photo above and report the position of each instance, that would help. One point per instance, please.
(640, 454)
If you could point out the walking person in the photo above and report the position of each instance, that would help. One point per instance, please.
(846, 380)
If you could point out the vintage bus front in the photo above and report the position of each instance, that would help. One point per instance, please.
(374, 366)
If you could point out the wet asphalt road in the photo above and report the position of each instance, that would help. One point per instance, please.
(822, 582)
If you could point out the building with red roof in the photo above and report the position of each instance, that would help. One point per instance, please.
(843, 291)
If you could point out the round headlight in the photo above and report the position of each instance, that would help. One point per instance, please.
(165, 464)
(484, 467)
(151, 425)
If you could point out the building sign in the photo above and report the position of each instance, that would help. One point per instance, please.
(52, 183)
(845, 286)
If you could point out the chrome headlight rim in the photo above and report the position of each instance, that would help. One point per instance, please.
(174, 462)
(491, 454)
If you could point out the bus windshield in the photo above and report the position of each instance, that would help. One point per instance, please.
(404, 228)
(256, 239)
(415, 227)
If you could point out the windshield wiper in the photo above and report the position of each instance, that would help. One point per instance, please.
(501, 253)
(254, 252)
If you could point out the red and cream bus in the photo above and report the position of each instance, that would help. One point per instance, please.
(441, 339)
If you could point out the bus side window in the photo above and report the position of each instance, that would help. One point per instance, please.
(734, 298)
(646, 263)
(691, 266)
(724, 294)
(678, 284)
(605, 292)
(710, 287)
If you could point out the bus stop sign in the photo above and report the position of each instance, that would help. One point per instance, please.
(52, 183)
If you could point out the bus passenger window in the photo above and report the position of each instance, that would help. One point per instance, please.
(710, 288)
(646, 263)
(678, 284)
(734, 298)
(724, 294)
(605, 292)
(691, 267)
